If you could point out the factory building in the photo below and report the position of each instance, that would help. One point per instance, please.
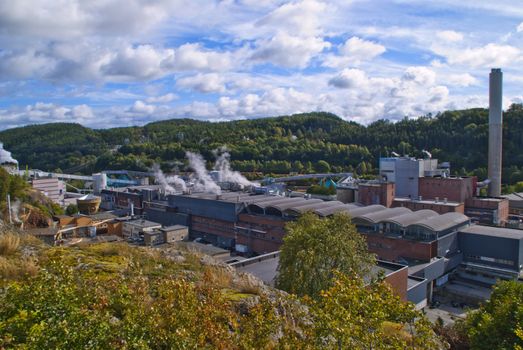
(405, 173)
(440, 206)
(515, 203)
(487, 210)
(52, 188)
(127, 199)
(455, 189)
(491, 253)
(376, 193)
(407, 287)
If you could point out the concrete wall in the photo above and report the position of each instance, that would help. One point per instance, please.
(407, 176)
(475, 246)
(448, 244)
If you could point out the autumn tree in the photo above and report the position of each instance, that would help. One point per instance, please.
(355, 315)
(498, 324)
(314, 248)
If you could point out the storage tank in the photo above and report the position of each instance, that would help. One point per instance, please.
(88, 204)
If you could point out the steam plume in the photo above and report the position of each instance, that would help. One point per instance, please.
(5, 156)
(203, 182)
(223, 165)
(166, 182)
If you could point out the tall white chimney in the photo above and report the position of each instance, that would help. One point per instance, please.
(495, 134)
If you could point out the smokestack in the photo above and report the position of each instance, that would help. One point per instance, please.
(495, 131)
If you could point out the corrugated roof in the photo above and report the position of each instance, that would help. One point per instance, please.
(311, 204)
(277, 200)
(412, 218)
(493, 231)
(381, 215)
(335, 209)
(443, 222)
(366, 210)
(288, 204)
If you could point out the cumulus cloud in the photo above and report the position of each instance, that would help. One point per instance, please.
(464, 79)
(288, 51)
(519, 28)
(353, 51)
(300, 18)
(205, 83)
(484, 56)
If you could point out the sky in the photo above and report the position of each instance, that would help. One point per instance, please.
(110, 63)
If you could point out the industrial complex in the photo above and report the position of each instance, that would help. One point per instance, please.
(424, 225)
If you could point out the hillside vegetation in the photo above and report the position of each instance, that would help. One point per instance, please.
(114, 296)
(299, 143)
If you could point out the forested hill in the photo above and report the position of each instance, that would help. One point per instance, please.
(273, 145)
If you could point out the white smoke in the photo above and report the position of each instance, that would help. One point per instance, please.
(223, 165)
(5, 156)
(15, 210)
(168, 182)
(202, 179)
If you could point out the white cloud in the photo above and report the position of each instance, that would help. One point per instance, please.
(288, 51)
(464, 79)
(142, 108)
(300, 18)
(519, 28)
(490, 55)
(206, 83)
(450, 36)
(162, 99)
(353, 51)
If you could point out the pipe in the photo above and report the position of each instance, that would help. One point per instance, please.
(9, 208)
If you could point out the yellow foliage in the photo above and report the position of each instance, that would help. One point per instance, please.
(9, 243)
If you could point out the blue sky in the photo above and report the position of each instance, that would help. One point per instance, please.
(129, 62)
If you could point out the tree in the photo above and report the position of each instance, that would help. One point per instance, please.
(323, 167)
(71, 209)
(498, 323)
(355, 315)
(313, 249)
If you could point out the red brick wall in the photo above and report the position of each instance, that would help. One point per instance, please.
(454, 189)
(376, 194)
(440, 208)
(391, 249)
(398, 282)
(268, 234)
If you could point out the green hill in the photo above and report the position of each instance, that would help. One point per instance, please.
(273, 145)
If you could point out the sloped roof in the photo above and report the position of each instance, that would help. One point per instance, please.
(381, 215)
(412, 218)
(443, 222)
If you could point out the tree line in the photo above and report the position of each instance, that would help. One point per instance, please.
(303, 143)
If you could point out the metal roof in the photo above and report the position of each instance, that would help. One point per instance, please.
(277, 200)
(412, 218)
(443, 222)
(366, 210)
(335, 209)
(311, 204)
(381, 215)
(288, 204)
(493, 231)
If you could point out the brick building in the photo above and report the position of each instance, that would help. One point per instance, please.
(376, 193)
(455, 189)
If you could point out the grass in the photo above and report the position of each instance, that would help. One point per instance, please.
(9, 243)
